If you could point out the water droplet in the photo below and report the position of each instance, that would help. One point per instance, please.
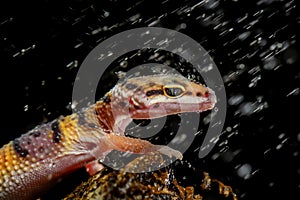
(270, 63)
(124, 64)
(110, 53)
(72, 64)
(74, 104)
(244, 171)
(236, 99)
(228, 129)
(244, 35)
(106, 14)
(134, 17)
(94, 32)
(279, 146)
(215, 156)
(247, 108)
(183, 25)
(26, 108)
(295, 92)
(281, 135)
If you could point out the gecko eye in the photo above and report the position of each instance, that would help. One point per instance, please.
(173, 91)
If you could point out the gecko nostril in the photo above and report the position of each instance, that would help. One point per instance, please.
(206, 94)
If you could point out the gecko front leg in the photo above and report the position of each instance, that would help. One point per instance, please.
(139, 146)
(132, 145)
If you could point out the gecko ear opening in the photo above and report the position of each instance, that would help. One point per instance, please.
(134, 103)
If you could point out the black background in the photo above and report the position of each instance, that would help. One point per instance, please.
(42, 44)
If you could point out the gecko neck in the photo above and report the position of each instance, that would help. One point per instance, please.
(111, 113)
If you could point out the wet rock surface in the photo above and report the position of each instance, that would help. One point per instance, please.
(160, 184)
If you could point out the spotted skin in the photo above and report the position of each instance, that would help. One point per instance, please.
(32, 163)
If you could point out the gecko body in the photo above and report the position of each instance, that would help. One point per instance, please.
(34, 162)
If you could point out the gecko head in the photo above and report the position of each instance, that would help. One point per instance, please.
(160, 95)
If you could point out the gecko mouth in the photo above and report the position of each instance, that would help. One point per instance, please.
(163, 109)
(200, 104)
(182, 107)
